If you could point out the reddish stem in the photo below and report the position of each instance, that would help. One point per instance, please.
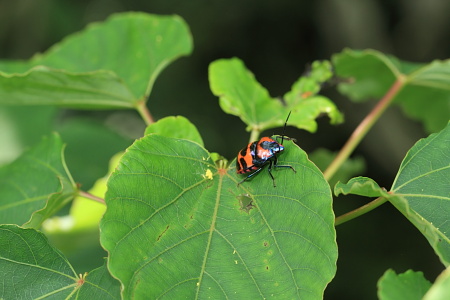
(363, 128)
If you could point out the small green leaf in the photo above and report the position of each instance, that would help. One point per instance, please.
(36, 185)
(440, 290)
(408, 286)
(189, 231)
(241, 95)
(425, 94)
(305, 101)
(32, 269)
(421, 190)
(176, 127)
(362, 186)
(131, 49)
(310, 84)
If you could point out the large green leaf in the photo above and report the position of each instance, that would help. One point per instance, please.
(178, 226)
(44, 86)
(421, 190)
(407, 286)
(425, 92)
(36, 185)
(31, 268)
(133, 47)
(241, 95)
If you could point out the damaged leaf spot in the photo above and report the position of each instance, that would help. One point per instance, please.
(245, 202)
(189, 222)
(307, 94)
(266, 244)
(162, 233)
(138, 282)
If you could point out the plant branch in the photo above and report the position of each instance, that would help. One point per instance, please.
(144, 112)
(92, 197)
(363, 128)
(359, 211)
(254, 135)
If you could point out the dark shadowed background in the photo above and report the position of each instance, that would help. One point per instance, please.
(276, 40)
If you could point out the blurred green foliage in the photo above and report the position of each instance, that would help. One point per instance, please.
(276, 40)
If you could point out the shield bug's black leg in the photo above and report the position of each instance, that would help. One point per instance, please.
(286, 166)
(276, 165)
(270, 171)
(249, 176)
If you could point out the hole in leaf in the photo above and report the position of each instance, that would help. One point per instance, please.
(245, 202)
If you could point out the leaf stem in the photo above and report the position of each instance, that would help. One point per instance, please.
(363, 128)
(92, 197)
(254, 135)
(142, 109)
(359, 211)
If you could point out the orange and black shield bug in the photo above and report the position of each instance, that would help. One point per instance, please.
(253, 158)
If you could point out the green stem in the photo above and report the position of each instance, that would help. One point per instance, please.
(92, 197)
(145, 113)
(359, 211)
(363, 128)
(254, 135)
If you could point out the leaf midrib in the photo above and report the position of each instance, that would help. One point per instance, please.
(404, 184)
(211, 231)
(407, 160)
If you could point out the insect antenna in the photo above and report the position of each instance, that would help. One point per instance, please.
(284, 129)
